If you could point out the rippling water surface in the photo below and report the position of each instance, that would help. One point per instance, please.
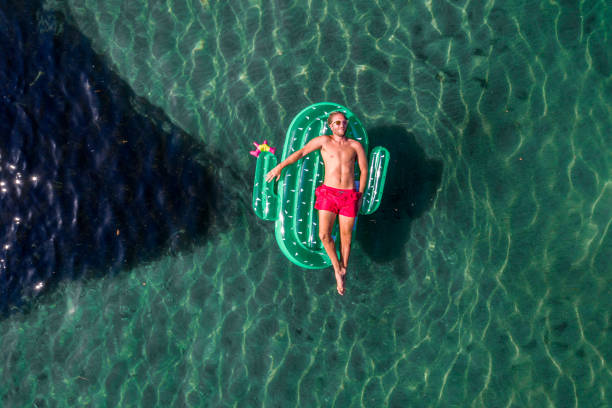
(133, 271)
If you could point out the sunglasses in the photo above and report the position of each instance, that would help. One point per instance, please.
(340, 122)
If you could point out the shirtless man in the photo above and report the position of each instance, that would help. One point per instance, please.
(337, 194)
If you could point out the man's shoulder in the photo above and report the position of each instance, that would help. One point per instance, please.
(317, 142)
(355, 144)
(322, 139)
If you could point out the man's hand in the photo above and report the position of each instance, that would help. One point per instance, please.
(274, 173)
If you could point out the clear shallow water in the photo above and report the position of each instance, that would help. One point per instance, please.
(481, 281)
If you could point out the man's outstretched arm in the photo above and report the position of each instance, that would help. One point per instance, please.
(311, 146)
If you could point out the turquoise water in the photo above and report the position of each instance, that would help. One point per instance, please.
(482, 280)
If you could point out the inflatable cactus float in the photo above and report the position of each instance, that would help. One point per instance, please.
(290, 202)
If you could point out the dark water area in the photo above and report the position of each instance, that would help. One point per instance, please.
(94, 178)
(410, 189)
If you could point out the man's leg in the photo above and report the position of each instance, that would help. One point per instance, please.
(346, 236)
(326, 223)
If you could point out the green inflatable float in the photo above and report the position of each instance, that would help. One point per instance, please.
(290, 202)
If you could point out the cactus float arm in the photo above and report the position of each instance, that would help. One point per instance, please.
(265, 200)
(379, 162)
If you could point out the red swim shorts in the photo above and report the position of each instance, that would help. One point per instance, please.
(338, 201)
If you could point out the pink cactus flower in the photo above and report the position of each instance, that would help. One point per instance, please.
(263, 147)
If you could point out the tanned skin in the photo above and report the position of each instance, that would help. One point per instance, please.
(339, 155)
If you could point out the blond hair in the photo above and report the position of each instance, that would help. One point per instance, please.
(331, 115)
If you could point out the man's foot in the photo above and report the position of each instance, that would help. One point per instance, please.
(340, 276)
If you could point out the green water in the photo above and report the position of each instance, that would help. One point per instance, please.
(488, 288)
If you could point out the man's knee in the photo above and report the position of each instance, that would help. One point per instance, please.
(346, 228)
(325, 237)
(346, 238)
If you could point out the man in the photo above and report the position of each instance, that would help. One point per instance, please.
(337, 195)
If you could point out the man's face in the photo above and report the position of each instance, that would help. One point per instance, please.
(339, 124)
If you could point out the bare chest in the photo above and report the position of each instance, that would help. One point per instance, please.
(337, 155)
